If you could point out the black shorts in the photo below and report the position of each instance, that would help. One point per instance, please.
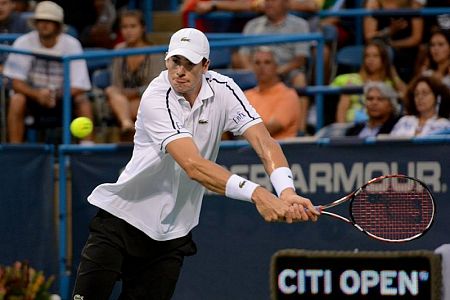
(115, 250)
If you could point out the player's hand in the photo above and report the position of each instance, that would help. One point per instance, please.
(269, 206)
(300, 208)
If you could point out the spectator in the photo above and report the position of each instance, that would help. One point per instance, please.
(23, 5)
(10, 22)
(376, 67)
(382, 109)
(291, 57)
(101, 33)
(131, 74)
(277, 104)
(37, 83)
(438, 57)
(428, 106)
(206, 6)
(403, 34)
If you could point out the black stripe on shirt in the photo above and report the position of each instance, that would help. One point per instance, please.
(234, 93)
(168, 110)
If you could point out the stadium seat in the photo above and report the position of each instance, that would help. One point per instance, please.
(245, 79)
(350, 57)
(101, 78)
(220, 58)
(97, 63)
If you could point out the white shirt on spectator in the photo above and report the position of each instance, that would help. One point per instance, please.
(409, 126)
(40, 72)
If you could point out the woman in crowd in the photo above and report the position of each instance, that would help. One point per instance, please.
(376, 67)
(437, 63)
(402, 33)
(428, 107)
(131, 74)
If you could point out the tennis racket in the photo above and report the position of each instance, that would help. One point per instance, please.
(391, 208)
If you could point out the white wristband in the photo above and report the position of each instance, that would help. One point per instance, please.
(282, 179)
(240, 188)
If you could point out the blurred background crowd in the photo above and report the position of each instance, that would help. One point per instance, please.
(396, 61)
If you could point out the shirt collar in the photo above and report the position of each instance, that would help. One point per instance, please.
(205, 94)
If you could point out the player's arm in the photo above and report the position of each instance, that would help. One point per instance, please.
(276, 166)
(218, 179)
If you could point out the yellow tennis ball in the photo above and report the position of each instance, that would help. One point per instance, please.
(81, 127)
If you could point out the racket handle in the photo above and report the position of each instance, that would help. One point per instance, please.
(319, 208)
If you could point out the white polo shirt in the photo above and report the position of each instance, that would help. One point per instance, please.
(153, 193)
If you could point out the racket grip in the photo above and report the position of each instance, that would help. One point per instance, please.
(318, 208)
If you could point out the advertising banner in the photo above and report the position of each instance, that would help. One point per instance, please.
(235, 244)
(27, 211)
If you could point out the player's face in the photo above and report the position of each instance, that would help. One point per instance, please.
(264, 66)
(439, 48)
(185, 76)
(131, 29)
(424, 99)
(377, 106)
(372, 59)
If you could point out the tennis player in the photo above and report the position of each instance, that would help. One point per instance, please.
(142, 230)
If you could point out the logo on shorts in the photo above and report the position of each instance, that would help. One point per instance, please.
(78, 297)
(241, 184)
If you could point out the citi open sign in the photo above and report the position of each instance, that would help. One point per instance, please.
(298, 274)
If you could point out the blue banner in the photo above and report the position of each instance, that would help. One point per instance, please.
(235, 245)
(27, 211)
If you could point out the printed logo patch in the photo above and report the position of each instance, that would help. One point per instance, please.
(185, 39)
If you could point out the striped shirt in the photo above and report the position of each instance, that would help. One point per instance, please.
(153, 193)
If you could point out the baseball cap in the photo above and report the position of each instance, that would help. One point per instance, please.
(190, 43)
(50, 11)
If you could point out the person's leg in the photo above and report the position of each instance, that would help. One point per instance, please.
(152, 267)
(120, 107)
(101, 261)
(16, 118)
(152, 280)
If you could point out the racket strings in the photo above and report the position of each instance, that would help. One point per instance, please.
(393, 208)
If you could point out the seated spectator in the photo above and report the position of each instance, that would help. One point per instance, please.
(207, 6)
(101, 33)
(437, 63)
(37, 82)
(376, 66)
(10, 22)
(277, 104)
(131, 74)
(382, 109)
(428, 107)
(291, 57)
(403, 34)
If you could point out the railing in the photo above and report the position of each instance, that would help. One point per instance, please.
(356, 13)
